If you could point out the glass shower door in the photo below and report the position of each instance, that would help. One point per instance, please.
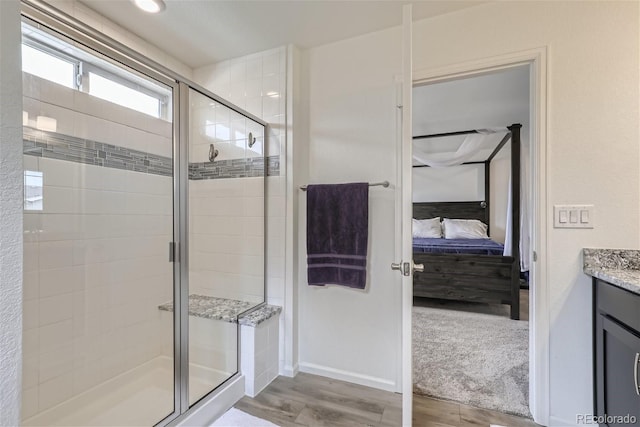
(226, 236)
(98, 215)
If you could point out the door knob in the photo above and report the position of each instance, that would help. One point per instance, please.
(396, 266)
(418, 267)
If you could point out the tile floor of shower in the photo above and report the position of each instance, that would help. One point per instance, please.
(141, 396)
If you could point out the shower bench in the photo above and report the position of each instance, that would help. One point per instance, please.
(259, 335)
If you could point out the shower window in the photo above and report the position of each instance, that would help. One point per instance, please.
(49, 66)
(120, 94)
(69, 66)
(33, 198)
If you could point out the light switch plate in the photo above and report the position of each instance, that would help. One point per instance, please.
(573, 216)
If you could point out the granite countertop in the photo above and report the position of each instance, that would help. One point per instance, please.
(620, 267)
(226, 310)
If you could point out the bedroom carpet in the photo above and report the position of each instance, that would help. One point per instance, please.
(476, 358)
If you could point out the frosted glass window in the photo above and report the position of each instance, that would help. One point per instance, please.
(48, 66)
(117, 93)
(33, 193)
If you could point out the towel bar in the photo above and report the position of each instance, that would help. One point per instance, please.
(374, 184)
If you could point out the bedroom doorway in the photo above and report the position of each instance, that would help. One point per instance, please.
(471, 142)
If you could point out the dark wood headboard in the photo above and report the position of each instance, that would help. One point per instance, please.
(453, 210)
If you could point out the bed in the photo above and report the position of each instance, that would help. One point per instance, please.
(475, 270)
(431, 245)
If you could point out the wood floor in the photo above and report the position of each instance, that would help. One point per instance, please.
(429, 412)
(310, 400)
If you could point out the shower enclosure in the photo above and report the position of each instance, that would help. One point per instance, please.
(143, 231)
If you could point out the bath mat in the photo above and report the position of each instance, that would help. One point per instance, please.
(479, 359)
(236, 418)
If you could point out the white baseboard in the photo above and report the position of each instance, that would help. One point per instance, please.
(352, 377)
(559, 422)
(207, 411)
(290, 371)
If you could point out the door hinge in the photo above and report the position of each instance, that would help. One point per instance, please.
(173, 252)
(535, 256)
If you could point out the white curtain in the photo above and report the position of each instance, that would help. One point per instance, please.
(471, 145)
(508, 229)
(525, 235)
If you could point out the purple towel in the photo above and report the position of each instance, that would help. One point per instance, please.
(337, 234)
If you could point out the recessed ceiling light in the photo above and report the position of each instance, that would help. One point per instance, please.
(151, 6)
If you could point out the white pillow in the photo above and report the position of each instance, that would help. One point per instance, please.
(464, 229)
(427, 227)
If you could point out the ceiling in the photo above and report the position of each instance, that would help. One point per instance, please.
(201, 32)
(489, 101)
(497, 99)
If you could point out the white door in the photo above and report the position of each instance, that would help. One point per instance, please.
(405, 266)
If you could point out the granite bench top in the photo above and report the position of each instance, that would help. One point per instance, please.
(226, 310)
(620, 267)
(260, 315)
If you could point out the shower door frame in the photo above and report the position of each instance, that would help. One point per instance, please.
(52, 19)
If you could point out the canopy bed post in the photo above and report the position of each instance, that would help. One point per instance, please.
(515, 219)
(487, 192)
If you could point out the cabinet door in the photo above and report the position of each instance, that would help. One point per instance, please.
(617, 353)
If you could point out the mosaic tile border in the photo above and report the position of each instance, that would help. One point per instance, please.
(237, 168)
(53, 145)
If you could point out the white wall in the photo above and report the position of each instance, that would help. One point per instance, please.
(11, 183)
(592, 157)
(452, 184)
(345, 333)
(592, 152)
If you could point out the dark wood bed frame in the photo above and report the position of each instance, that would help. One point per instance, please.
(465, 277)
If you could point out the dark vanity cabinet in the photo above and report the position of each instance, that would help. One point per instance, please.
(616, 355)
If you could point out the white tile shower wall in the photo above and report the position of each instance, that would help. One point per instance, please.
(213, 123)
(213, 345)
(95, 271)
(258, 83)
(84, 116)
(227, 238)
(259, 359)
